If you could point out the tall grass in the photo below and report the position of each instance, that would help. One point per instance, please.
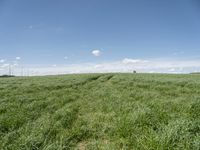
(100, 111)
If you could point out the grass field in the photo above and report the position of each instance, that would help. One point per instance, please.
(100, 111)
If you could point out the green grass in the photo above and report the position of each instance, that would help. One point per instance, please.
(100, 111)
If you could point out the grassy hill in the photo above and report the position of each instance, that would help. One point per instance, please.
(100, 111)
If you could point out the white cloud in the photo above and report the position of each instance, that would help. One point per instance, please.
(2, 60)
(18, 58)
(15, 64)
(133, 61)
(172, 69)
(30, 27)
(124, 65)
(178, 53)
(65, 57)
(4, 65)
(98, 66)
(96, 52)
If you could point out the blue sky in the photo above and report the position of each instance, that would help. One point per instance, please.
(45, 31)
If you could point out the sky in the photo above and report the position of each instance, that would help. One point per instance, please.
(75, 36)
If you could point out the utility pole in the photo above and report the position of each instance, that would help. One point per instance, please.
(22, 71)
(28, 71)
(9, 70)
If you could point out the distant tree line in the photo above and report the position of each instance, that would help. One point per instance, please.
(6, 76)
